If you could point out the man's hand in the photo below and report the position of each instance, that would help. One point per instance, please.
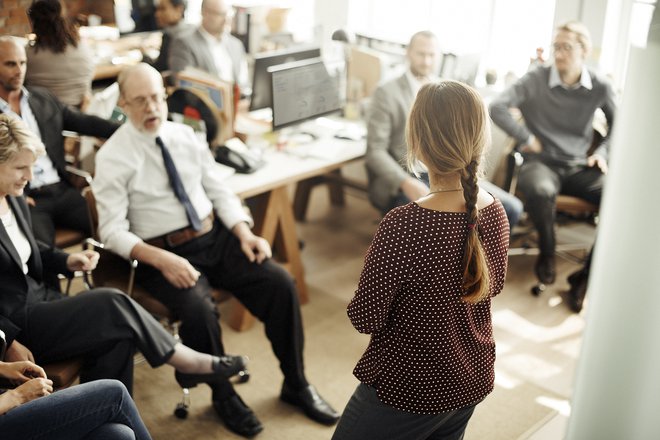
(533, 147)
(177, 270)
(414, 188)
(21, 371)
(85, 260)
(597, 161)
(18, 352)
(30, 201)
(255, 248)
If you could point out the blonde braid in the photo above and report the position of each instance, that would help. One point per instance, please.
(475, 272)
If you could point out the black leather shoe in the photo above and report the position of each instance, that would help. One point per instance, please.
(238, 417)
(545, 269)
(224, 367)
(309, 400)
(577, 292)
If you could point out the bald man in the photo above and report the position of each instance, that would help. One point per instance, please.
(161, 201)
(53, 201)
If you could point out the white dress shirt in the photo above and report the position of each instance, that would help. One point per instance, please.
(223, 61)
(134, 198)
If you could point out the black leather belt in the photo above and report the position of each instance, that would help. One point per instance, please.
(181, 236)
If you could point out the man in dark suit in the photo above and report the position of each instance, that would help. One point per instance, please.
(53, 201)
(211, 47)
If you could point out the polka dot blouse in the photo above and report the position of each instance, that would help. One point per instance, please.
(430, 352)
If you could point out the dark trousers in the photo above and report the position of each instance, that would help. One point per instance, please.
(367, 418)
(265, 289)
(103, 326)
(58, 205)
(540, 183)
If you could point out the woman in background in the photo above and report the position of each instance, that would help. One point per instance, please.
(57, 59)
(425, 292)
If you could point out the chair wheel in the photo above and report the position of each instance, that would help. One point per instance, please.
(538, 289)
(181, 411)
(243, 376)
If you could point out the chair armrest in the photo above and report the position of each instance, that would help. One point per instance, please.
(514, 164)
(113, 270)
(78, 175)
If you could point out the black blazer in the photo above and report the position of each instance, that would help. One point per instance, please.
(53, 116)
(15, 294)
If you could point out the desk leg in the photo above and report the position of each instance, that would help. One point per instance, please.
(333, 179)
(274, 221)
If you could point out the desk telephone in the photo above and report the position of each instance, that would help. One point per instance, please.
(235, 154)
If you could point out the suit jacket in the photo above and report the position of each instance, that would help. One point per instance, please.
(171, 33)
(191, 49)
(386, 145)
(15, 292)
(53, 116)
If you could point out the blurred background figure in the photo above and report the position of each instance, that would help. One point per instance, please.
(58, 60)
(169, 18)
(539, 60)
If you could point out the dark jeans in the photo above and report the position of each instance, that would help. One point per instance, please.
(265, 289)
(58, 205)
(540, 183)
(367, 418)
(96, 410)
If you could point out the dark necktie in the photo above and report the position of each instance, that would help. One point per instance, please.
(178, 188)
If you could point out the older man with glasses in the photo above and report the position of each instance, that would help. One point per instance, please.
(558, 103)
(162, 202)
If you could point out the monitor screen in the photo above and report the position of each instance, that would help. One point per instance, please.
(303, 90)
(261, 96)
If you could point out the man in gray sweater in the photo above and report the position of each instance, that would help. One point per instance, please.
(558, 104)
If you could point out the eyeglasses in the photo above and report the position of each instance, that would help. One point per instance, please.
(143, 101)
(564, 47)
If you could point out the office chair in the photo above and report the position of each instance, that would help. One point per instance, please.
(568, 208)
(115, 271)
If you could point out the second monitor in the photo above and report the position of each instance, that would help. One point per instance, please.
(303, 90)
(261, 92)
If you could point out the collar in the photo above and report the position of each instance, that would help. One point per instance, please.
(135, 133)
(415, 83)
(555, 79)
(4, 105)
(211, 39)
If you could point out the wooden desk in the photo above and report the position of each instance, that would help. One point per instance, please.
(273, 212)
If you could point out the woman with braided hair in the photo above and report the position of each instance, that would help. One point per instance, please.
(425, 291)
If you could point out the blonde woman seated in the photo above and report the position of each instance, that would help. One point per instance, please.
(104, 327)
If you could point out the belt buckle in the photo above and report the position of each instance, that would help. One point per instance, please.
(169, 240)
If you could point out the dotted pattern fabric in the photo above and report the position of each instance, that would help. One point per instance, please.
(430, 352)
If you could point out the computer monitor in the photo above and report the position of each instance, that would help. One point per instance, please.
(261, 96)
(303, 90)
